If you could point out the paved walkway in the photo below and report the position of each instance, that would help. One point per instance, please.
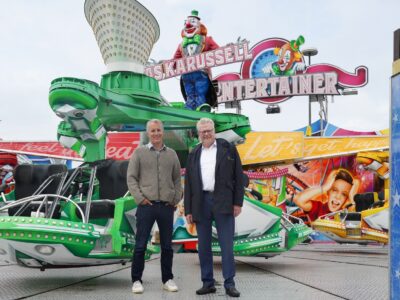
(307, 272)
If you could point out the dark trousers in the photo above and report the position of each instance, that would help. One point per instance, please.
(196, 86)
(225, 224)
(146, 215)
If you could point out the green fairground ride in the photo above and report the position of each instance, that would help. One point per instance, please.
(85, 216)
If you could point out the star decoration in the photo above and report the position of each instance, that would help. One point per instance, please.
(397, 274)
(396, 199)
(395, 117)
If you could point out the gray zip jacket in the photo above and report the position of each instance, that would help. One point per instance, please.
(155, 175)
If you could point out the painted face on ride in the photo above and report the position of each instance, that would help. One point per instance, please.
(286, 58)
(191, 26)
(338, 194)
(206, 134)
(155, 133)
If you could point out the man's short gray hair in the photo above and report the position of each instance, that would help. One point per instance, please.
(204, 121)
(157, 121)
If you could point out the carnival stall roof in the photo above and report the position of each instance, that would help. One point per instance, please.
(329, 129)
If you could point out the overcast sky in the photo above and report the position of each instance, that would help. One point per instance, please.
(45, 39)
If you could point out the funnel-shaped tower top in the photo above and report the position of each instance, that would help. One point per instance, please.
(125, 32)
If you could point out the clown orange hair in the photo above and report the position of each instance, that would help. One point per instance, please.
(203, 29)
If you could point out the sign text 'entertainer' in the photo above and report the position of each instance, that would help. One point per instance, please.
(302, 84)
(221, 56)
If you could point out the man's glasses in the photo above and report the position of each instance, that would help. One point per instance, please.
(206, 131)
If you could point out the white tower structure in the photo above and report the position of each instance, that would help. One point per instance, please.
(125, 32)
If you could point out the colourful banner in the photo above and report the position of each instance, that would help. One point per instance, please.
(120, 146)
(267, 147)
(317, 147)
(49, 149)
(261, 147)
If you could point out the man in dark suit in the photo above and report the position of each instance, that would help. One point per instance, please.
(214, 191)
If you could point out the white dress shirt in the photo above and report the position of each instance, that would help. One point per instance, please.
(208, 160)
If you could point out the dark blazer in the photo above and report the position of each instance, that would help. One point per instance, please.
(228, 190)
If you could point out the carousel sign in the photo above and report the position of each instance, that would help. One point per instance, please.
(272, 71)
(221, 56)
(258, 88)
(278, 71)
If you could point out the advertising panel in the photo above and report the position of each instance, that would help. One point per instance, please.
(314, 188)
(395, 190)
(268, 147)
(119, 146)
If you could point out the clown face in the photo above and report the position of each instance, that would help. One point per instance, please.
(191, 26)
(286, 58)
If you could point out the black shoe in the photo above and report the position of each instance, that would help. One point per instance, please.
(232, 291)
(206, 290)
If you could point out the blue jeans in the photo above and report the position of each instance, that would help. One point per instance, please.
(146, 215)
(196, 86)
(225, 229)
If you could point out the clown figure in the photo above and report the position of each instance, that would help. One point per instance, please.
(196, 86)
(289, 59)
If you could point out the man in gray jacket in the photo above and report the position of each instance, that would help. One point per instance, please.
(154, 180)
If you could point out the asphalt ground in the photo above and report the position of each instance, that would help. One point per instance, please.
(327, 271)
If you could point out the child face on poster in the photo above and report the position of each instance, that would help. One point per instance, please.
(340, 188)
(338, 194)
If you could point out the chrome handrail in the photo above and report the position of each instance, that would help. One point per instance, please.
(35, 197)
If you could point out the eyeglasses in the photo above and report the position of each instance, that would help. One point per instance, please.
(206, 131)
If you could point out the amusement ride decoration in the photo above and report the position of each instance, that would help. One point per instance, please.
(196, 86)
(126, 97)
(85, 216)
(368, 220)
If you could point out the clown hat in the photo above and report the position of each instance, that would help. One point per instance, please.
(195, 14)
(295, 44)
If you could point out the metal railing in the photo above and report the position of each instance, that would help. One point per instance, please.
(33, 198)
